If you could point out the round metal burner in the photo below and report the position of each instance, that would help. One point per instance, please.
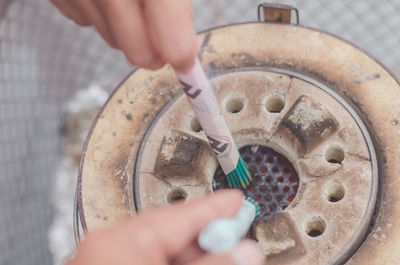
(305, 125)
(313, 98)
(275, 181)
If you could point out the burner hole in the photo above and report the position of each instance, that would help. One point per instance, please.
(273, 207)
(195, 125)
(275, 169)
(268, 198)
(286, 189)
(274, 104)
(270, 160)
(279, 198)
(258, 159)
(315, 227)
(275, 188)
(284, 206)
(268, 179)
(286, 170)
(263, 169)
(334, 192)
(262, 188)
(176, 194)
(234, 104)
(280, 179)
(334, 154)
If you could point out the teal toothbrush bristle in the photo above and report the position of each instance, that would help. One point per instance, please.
(252, 201)
(239, 177)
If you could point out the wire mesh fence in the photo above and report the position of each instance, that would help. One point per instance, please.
(45, 59)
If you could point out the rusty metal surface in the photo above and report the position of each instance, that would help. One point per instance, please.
(352, 73)
(246, 99)
(307, 124)
(107, 165)
(105, 174)
(282, 240)
(179, 154)
(275, 13)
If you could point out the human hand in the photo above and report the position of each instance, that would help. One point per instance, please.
(149, 32)
(167, 236)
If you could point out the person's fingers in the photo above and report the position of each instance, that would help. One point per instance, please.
(113, 246)
(245, 253)
(176, 227)
(68, 8)
(128, 28)
(170, 27)
(92, 12)
(149, 32)
(188, 254)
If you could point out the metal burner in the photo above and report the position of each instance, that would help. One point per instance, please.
(275, 181)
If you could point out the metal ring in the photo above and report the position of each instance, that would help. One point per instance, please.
(77, 231)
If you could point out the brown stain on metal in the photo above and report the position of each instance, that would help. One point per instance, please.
(185, 160)
(145, 118)
(244, 58)
(309, 123)
(279, 239)
(128, 117)
(120, 177)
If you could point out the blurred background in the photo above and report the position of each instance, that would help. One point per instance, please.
(54, 76)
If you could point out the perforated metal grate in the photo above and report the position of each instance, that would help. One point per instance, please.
(275, 181)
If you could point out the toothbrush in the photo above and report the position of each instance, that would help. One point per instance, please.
(223, 234)
(204, 103)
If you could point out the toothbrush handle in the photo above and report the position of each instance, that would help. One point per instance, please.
(202, 98)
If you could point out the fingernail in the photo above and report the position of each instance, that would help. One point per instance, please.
(247, 253)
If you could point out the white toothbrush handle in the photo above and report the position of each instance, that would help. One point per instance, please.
(222, 235)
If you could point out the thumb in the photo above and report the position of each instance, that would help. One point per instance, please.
(245, 253)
